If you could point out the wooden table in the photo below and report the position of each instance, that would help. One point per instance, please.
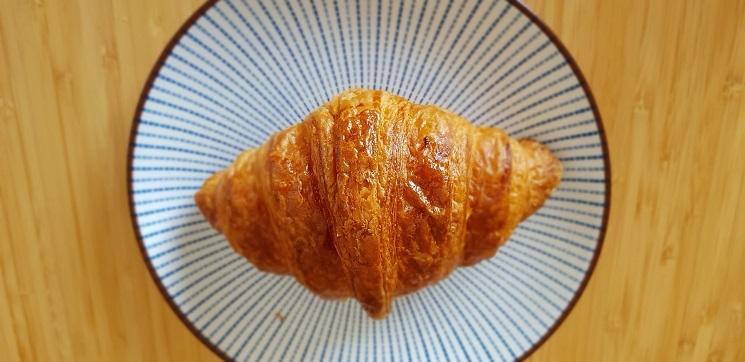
(669, 77)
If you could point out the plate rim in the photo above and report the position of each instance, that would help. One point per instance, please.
(187, 24)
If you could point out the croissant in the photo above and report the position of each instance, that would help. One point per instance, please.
(372, 197)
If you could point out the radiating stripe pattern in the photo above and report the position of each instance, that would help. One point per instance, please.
(248, 68)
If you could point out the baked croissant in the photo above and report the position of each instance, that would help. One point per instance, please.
(372, 197)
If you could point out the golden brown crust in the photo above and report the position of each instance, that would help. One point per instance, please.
(373, 197)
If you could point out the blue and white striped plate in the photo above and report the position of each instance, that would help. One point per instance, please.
(240, 70)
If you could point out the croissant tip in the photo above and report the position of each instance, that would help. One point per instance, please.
(205, 198)
(545, 174)
(549, 165)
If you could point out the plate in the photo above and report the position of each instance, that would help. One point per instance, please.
(239, 70)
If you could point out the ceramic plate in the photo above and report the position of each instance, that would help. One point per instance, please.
(239, 70)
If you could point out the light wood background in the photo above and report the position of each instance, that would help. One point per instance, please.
(669, 77)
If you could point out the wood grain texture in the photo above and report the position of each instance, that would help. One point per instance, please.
(669, 77)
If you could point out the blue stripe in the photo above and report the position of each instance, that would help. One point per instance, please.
(192, 216)
(145, 158)
(355, 38)
(576, 201)
(395, 36)
(404, 74)
(560, 228)
(551, 97)
(562, 189)
(244, 272)
(143, 180)
(572, 137)
(582, 169)
(467, 304)
(285, 327)
(222, 251)
(341, 42)
(457, 317)
(543, 134)
(156, 211)
(515, 242)
(389, 334)
(216, 100)
(470, 56)
(359, 343)
(151, 98)
(582, 158)
(141, 203)
(173, 169)
(435, 38)
(378, 16)
(360, 65)
(324, 43)
(543, 214)
(290, 105)
(199, 70)
(404, 341)
(497, 84)
(152, 245)
(266, 314)
(541, 112)
(165, 189)
(374, 342)
(189, 75)
(573, 211)
(321, 80)
(506, 277)
(171, 218)
(325, 342)
(436, 328)
(505, 250)
(176, 294)
(443, 60)
(409, 323)
(279, 61)
(494, 297)
(487, 279)
(552, 120)
(227, 160)
(297, 300)
(553, 236)
(172, 117)
(297, 69)
(529, 284)
(518, 235)
(584, 180)
(346, 325)
(165, 230)
(320, 314)
(224, 155)
(474, 290)
(312, 79)
(520, 78)
(242, 90)
(482, 96)
(158, 255)
(525, 86)
(267, 287)
(479, 73)
(234, 117)
(432, 304)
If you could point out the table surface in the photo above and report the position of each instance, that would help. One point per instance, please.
(669, 77)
